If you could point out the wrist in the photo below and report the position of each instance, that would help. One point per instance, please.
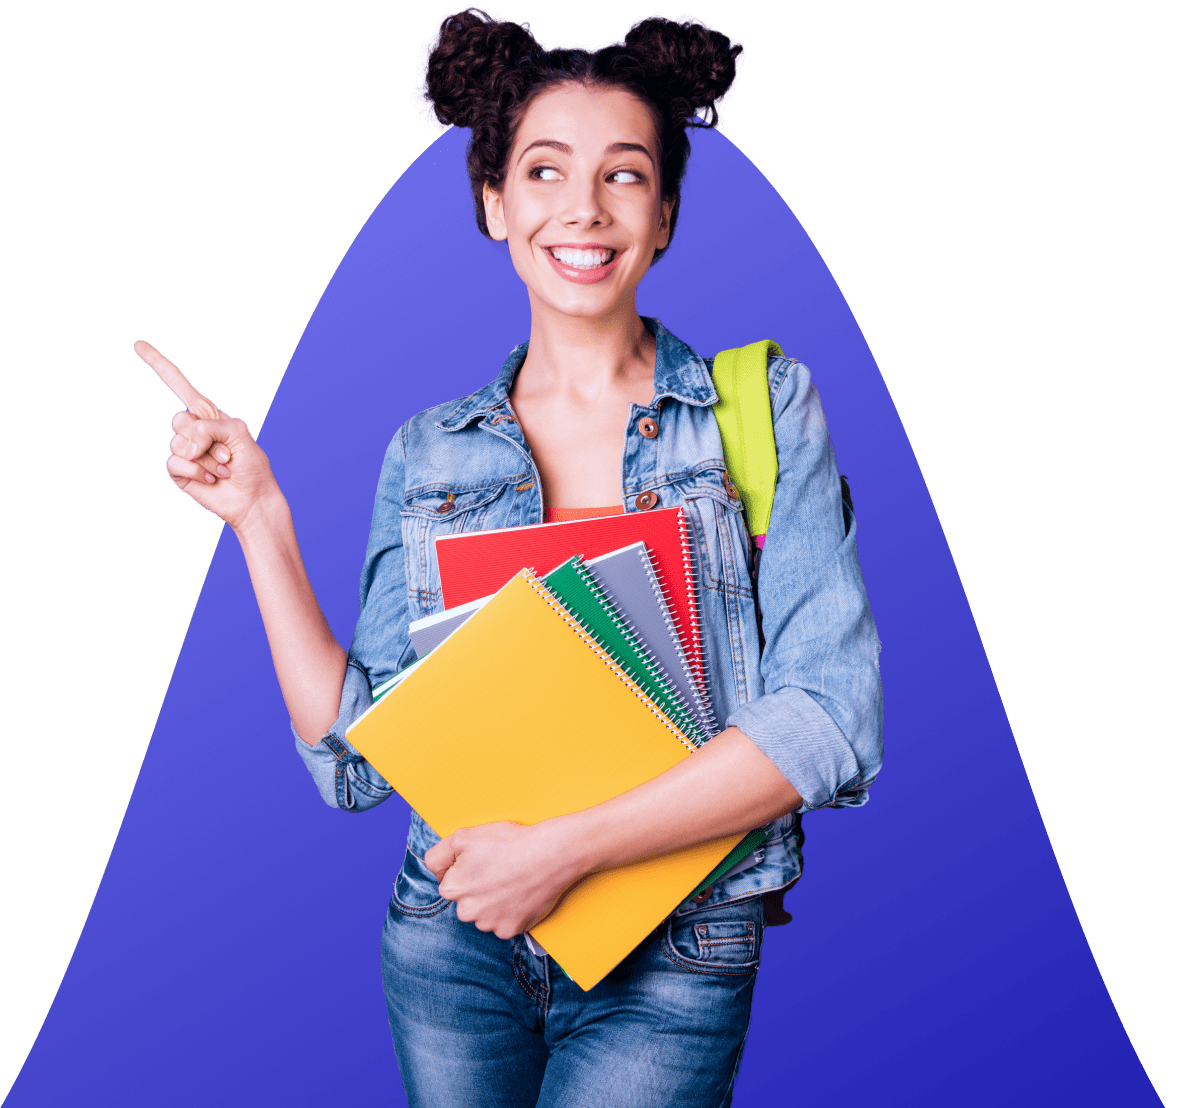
(268, 515)
(572, 840)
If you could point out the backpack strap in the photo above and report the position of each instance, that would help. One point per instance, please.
(744, 415)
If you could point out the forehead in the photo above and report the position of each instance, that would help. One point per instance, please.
(586, 118)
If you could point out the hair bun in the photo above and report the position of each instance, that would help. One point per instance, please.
(472, 55)
(688, 61)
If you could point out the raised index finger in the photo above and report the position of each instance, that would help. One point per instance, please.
(197, 403)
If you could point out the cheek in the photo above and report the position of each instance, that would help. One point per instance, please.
(523, 226)
(525, 217)
(647, 222)
(521, 259)
(648, 212)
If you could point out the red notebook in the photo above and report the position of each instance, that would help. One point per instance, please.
(474, 564)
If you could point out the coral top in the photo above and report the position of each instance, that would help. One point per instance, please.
(562, 515)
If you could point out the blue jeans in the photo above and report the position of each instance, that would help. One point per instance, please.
(481, 1022)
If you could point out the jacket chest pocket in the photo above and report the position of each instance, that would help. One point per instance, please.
(721, 542)
(726, 598)
(444, 510)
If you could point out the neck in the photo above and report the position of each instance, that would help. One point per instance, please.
(586, 356)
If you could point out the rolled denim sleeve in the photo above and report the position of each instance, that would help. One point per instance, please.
(820, 718)
(380, 648)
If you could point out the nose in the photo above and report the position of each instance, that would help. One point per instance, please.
(584, 205)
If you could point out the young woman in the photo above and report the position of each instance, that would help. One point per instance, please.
(576, 160)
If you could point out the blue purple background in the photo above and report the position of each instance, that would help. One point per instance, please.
(232, 952)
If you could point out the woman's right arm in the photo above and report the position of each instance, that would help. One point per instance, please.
(215, 460)
(309, 663)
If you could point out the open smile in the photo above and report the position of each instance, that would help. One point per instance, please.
(584, 265)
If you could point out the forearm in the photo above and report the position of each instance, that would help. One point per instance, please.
(505, 877)
(309, 663)
(728, 787)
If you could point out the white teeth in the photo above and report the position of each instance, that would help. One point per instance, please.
(582, 259)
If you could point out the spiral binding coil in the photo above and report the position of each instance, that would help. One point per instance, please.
(607, 658)
(688, 550)
(695, 673)
(689, 556)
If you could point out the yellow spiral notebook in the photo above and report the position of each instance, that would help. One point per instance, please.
(520, 715)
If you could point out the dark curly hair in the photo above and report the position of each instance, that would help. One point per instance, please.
(482, 74)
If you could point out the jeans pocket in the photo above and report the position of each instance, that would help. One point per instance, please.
(415, 892)
(724, 940)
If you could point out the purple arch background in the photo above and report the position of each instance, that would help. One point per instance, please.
(232, 952)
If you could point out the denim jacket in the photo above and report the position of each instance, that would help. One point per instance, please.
(811, 700)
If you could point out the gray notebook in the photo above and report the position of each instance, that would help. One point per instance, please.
(430, 632)
(629, 578)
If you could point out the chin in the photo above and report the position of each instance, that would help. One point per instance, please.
(581, 301)
(583, 307)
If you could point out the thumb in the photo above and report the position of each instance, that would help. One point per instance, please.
(440, 856)
(206, 435)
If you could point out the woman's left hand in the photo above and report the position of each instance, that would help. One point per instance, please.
(504, 877)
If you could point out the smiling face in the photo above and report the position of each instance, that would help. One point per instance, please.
(581, 205)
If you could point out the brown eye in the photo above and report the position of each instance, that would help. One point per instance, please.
(544, 173)
(626, 177)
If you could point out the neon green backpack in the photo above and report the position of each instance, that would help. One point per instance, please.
(744, 415)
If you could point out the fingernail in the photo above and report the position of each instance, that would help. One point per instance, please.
(209, 479)
(221, 454)
(224, 471)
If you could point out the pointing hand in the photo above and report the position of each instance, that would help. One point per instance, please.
(214, 459)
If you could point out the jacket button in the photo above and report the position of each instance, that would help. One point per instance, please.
(646, 500)
(732, 491)
(446, 506)
(648, 427)
(703, 896)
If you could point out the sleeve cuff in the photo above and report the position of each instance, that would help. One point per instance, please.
(344, 778)
(806, 745)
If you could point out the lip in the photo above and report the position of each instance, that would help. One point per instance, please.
(582, 276)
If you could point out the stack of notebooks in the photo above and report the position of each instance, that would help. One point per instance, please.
(565, 669)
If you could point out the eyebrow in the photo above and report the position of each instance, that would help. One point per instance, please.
(613, 148)
(563, 147)
(620, 147)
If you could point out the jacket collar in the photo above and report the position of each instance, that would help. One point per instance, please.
(679, 373)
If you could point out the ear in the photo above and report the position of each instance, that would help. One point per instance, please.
(492, 203)
(664, 223)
